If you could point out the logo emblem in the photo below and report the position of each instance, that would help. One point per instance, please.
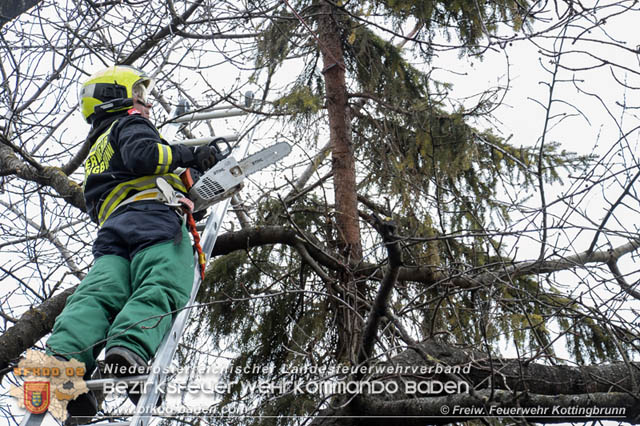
(36, 397)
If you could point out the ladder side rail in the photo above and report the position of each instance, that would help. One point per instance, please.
(158, 373)
(30, 419)
(98, 384)
(151, 390)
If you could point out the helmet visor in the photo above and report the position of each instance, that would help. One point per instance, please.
(141, 92)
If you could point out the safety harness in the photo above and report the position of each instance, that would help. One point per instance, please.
(183, 205)
(166, 194)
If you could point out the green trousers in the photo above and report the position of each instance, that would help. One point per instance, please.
(125, 303)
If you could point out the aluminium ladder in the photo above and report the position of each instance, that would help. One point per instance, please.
(157, 375)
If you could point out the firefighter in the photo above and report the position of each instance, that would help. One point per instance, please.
(144, 264)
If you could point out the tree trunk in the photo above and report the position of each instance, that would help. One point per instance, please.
(344, 177)
(546, 393)
(31, 327)
(342, 158)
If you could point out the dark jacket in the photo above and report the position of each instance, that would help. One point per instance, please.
(125, 159)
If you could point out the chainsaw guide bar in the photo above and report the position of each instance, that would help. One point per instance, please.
(226, 177)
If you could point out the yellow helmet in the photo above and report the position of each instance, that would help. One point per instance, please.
(112, 90)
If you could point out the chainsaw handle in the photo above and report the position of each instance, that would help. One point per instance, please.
(219, 153)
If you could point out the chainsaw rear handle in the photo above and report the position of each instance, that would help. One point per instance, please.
(219, 153)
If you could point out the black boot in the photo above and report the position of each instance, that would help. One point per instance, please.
(123, 362)
(82, 409)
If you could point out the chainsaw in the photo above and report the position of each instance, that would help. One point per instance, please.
(226, 177)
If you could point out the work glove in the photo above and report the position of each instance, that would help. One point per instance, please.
(205, 158)
(199, 215)
(189, 178)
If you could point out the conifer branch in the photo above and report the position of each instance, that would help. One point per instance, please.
(380, 304)
(430, 275)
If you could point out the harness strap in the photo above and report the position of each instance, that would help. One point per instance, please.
(149, 194)
(165, 194)
(123, 190)
(180, 202)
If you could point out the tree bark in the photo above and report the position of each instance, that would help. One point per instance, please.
(54, 177)
(344, 180)
(31, 327)
(555, 393)
(519, 375)
(342, 153)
